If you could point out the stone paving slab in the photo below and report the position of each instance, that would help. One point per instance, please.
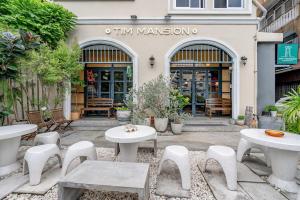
(49, 179)
(169, 182)
(261, 191)
(257, 166)
(246, 175)
(12, 183)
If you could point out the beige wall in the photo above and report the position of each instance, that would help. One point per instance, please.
(240, 38)
(152, 9)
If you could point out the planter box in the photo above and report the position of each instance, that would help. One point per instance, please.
(268, 122)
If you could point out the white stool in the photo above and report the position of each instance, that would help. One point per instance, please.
(245, 146)
(36, 158)
(47, 138)
(180, 155)
(84, 150)
(227, 159)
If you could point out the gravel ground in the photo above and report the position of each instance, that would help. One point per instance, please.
(199, 190)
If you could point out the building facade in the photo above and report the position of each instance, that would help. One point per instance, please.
(283, 17)
(208, 48)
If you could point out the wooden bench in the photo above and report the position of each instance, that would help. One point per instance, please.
(217, 104)
(99, 104)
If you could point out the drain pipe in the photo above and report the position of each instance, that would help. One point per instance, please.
(264, 11)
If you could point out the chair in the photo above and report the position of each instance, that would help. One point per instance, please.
(227, 159)
(84, 150)
(35, 117)
(35, 159)
(180, 155)
(59, 118)
(47, 138)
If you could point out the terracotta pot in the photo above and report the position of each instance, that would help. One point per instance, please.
(176, 128)
(161, 124)
(75, 115)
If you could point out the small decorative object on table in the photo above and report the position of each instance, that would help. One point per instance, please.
(130, 128)
(274, 133)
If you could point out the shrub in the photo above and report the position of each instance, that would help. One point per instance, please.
(241, 117)
(50, 21)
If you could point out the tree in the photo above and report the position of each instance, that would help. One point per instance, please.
(50, 21)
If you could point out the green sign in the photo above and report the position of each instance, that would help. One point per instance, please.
(287, 54)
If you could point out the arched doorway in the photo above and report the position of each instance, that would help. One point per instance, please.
(202, 70)
(108, 72)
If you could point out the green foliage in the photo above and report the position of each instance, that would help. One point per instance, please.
(50, 21)
(177, 103)
(241, 117)
(123, 108)
(55, 67)
(269, 108)
(12, 47)
(155, 96)
(291, 112)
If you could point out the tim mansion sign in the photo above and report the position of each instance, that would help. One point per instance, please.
(152, 31)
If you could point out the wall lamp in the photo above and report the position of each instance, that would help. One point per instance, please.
(152, 61)
(133, 17)
(244, 60)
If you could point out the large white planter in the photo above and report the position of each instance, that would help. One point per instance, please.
(273, 113)
(123, 115)
(161, 124)
(176, 128)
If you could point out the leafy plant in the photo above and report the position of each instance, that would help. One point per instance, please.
(179, 118)
(56, 68)
(291, 112)
(176, 104)
(12, 47)
(269, 108)
(49, 20)
(241, 117)
(123, 108)
(155, 95)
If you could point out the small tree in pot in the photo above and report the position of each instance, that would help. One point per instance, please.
(155, 97)
(177, 117)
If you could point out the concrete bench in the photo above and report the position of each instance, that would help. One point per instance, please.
(105, 176)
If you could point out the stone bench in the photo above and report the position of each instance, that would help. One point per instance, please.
(105, 176)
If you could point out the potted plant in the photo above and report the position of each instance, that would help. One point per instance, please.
(240, 120)
(155, 98)
(177, 117)
(177, 122)
(271, 109)
(123, 113)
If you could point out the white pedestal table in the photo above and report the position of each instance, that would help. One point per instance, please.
(284, 155)
(128, 141)
(10, 137)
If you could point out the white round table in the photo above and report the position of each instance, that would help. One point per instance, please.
(129, 141)
(284, 155)
(10, 137)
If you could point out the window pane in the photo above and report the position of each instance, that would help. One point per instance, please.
(220, 4)
(182, 3)
(235, 3)
(195, 4)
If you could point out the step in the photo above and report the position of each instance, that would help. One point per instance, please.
(211, 128)
(95, 122)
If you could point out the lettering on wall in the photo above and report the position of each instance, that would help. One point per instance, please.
(152, 31)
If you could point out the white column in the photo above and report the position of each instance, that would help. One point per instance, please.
(67, 102)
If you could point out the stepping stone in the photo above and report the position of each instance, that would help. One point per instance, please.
(12, 183)
(261, 191)
(49, 179)
(246, 175)
(217, 183)
(257, 166)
